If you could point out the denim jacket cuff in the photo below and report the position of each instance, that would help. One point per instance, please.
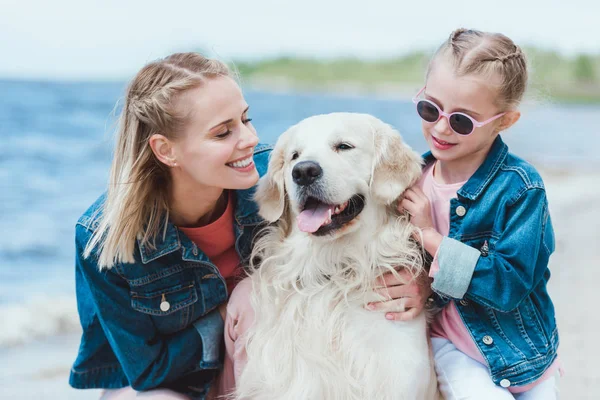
(457, 262)
(211, 328)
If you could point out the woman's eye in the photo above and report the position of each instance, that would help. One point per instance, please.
(224, 134)
(294, 155)
(246, 120)
(344, 146)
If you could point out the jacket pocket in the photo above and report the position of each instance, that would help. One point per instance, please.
(170, 307)
(533, 325)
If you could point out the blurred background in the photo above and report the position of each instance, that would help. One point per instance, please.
(64, 66)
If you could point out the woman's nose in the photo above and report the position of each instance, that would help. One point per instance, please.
(249, 137)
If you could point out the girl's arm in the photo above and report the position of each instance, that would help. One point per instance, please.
(512, 266)
(149, 359)
(508, 271)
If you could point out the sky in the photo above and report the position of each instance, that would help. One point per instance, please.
(112, 39)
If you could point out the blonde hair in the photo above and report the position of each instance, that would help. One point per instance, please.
(491, 55)
(137, 200)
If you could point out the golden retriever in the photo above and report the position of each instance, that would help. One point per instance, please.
(330, 194)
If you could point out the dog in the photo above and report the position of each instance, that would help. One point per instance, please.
(330, 194)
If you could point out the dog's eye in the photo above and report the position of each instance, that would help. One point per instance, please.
(343, 146)
(294, 155)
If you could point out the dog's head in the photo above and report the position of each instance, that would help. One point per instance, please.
(326, 169)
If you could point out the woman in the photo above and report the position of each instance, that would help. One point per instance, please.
(158, 255)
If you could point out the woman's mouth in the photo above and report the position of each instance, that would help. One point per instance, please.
(242, 165)
(442, 145)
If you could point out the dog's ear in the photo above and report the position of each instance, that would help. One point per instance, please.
(270, 193)
(397, 166)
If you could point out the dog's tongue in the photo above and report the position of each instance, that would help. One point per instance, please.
(311, 219)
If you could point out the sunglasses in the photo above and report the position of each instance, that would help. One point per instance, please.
(460, 123)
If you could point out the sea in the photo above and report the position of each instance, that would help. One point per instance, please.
(55, 150)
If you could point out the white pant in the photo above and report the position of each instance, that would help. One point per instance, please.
(461, 378)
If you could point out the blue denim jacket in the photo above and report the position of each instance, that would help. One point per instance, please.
(494, 266)
(128, 338)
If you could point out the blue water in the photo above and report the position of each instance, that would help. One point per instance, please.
(56, 148)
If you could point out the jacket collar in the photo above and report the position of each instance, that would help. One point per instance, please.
(246, 209)
(171, 239)
(166, 242)
(484, 174)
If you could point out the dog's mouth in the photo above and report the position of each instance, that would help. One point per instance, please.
(320, 218)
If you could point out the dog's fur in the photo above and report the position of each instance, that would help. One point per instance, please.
(312, 337)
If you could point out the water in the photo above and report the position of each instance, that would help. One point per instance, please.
(56, 150)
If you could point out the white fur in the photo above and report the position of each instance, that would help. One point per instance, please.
(312, 337)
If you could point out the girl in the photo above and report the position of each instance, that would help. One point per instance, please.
(159, 253)
(483, 214)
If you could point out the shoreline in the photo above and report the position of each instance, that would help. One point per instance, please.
(392, 90)
(348, 89)
(40, 370)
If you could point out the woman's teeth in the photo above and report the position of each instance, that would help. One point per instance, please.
(241, 163)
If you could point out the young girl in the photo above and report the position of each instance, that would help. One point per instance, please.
(484, 216)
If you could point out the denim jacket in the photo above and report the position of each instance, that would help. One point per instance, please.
(494, 266)
(154, 323)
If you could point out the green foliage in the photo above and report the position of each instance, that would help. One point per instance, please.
(551, 74)
(584, 69)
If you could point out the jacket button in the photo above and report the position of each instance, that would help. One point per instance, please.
(488, 340)
(460, 211)
(195, 250)
(464, 302)
(505, 383)
(164, 304)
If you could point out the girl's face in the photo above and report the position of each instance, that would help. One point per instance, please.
(216, 146)
(469, 94)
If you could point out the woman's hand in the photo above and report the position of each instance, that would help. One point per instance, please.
(407, 296)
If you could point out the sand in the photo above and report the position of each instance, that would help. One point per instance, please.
(575, 211)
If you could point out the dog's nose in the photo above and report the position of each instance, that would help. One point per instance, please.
(306, 172)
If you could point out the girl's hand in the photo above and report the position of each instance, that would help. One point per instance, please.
(417, 205)
(407, 296)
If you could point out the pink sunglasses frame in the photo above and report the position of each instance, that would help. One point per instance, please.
(476, 124)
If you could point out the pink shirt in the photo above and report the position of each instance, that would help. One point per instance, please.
(217, 241)
(447, 323)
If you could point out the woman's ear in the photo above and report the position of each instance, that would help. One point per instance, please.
(508, 120)
(163, 149)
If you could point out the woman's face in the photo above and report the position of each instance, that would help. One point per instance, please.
(216, 146)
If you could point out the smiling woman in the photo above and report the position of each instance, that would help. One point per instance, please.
(158, 255)
(212, 151)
